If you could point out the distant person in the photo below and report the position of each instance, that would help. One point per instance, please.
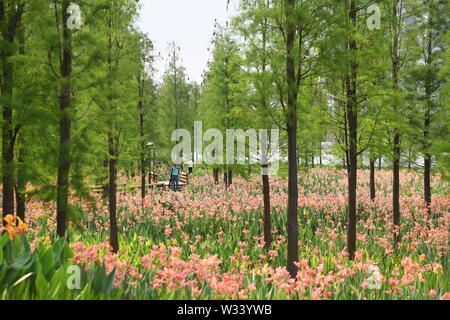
(190, 166)
(175, 176)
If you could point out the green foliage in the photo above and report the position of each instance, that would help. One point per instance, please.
(42, 273)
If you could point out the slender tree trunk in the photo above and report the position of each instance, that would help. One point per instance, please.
(352, 120)
(409, 159)
(225, 178)
(113, 153)
(264, 143)
(395, 68)
(230, 177)
(112, 163)
(427, 181)
(427, 117)
(346, 137)
(320, 154)
(352, 179)
(267, 221)
(372, 179)
(292, 92)
(143, 175)
(62, 192)
(216, 175)
(396, 189)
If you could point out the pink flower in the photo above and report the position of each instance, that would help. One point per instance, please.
(432, 293)
(445, 296)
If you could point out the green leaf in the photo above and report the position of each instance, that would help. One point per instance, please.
(109, 283)
(22, 279)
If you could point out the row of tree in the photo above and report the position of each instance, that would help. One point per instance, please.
(79, 102)
(76, 94)
(367, 76)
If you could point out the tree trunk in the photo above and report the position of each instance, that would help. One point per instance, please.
(267, 222)
(230, 177)
(225, 178)
(352, 121)
(427, 181)
(346, 137)
(395, 68)
(62, 191)
(143, 175)
(113, 230)
(372, 179)
(216, 175)
(409, 159)
(320, 154)
(291, 122)
(427, 116)
(396, 190)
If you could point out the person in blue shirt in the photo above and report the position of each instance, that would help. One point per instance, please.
(175, 176)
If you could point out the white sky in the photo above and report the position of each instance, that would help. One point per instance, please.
(190, 23)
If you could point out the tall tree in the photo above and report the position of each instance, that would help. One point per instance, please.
(355, 107)
(117, 92)
(62, 189)
(253, 24)
(224, 91)
(10, 16)
(144, 83)
(431, 29)
(400, 45)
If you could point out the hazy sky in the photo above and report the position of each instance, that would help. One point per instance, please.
(190, 23)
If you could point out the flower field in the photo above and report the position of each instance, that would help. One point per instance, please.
(207, 243)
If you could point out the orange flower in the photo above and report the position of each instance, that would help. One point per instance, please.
(14, 226)
(12, 232)
(22, 226)
(9, 219)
